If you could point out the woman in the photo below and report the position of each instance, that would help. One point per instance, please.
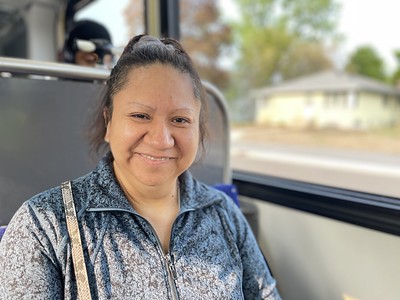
(149, 230)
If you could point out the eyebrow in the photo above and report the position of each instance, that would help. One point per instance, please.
(140, 104)
(153, 109)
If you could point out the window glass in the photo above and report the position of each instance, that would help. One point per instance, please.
(314, 91)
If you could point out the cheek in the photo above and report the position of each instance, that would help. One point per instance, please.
(192, 141)
(121, 134)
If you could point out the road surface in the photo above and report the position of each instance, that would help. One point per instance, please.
(366, 172)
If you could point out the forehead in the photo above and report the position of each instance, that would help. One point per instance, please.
(158, 82)
(154, 69)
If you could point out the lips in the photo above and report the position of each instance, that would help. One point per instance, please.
(154, 158)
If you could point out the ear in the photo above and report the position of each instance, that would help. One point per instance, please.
(106, 116)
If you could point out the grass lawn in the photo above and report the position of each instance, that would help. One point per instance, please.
(378, 141)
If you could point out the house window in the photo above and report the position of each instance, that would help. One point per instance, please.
(352, 100)
(385, 101)
(266, 103)
(335, 100)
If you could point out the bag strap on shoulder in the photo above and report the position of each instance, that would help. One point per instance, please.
(78, 259)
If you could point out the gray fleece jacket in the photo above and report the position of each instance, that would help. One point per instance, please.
(213, 253)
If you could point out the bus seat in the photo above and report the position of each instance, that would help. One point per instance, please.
(230, 190)
(45, 107)
(2, 230)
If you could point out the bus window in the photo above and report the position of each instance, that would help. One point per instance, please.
(311, 97)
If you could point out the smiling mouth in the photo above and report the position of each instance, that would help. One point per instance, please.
(155, 158)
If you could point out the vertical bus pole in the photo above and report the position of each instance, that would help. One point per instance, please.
(162, 18)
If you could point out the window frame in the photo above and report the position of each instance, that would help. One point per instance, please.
(376, 212)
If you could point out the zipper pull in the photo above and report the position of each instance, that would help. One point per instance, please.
(171, 266)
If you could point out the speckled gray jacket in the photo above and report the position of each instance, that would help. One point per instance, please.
(213, 254)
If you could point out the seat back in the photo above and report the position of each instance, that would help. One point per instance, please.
(2, 231)
(229, 189)
(44, 109)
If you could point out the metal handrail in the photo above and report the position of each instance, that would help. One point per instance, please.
(61, 70)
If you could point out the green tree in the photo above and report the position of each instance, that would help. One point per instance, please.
(273, 36)
(207, 38)
(366, 61)
(305, 58)
(313, 20)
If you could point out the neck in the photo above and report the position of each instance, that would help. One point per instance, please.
(151, 197)
(159, 205)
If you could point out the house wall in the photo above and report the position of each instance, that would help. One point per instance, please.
(346, 110)
(377, 110)
(336, 110)
(281, 110)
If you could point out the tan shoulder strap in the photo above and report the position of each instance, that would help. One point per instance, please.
(76, 243)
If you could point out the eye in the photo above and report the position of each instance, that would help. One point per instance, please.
(140, 116)
(180, 120)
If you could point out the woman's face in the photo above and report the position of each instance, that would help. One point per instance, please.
(154, 128)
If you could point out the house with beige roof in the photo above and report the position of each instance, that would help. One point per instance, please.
(329, 99)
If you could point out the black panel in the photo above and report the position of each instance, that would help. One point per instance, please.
(169, 18)
(367, 210)
(42, 134)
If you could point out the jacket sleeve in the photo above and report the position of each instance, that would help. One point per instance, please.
(29, 269)
(258, 282)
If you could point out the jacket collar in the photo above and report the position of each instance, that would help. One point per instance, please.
(105, 193)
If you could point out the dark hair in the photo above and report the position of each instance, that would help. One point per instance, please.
(144, 50)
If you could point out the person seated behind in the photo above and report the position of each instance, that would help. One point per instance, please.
(88, 44)
(149, 229)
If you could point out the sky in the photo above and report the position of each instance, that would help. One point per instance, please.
(362, 22)
(372, 22)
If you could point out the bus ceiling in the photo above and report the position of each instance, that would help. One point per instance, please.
(35, 29)
(32, 28)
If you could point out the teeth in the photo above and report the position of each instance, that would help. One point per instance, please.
(155, 158)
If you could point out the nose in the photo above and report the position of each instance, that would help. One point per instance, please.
(159, 135)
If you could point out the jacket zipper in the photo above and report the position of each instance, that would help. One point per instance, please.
(171, 276)
(168, 262)
(167, 258)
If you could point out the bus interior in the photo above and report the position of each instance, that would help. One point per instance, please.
(322, 242)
